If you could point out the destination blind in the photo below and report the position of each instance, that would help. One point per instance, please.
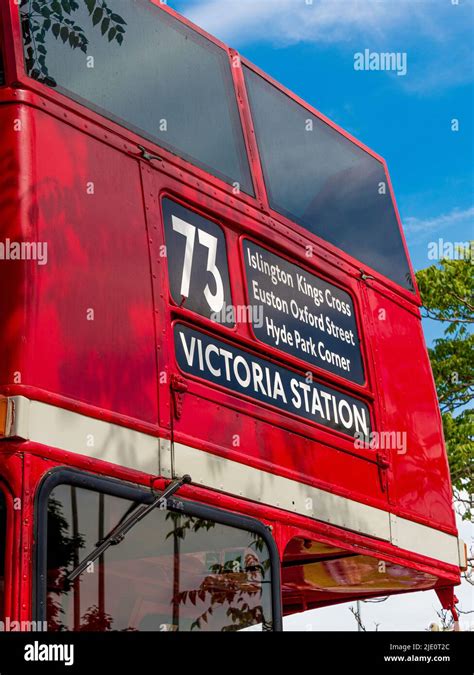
(221, 363)
(302, 314)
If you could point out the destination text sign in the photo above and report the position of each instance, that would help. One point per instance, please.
(238, 370)
(302, 314)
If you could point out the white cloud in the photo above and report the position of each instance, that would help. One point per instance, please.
(291, 21)
(413, 225)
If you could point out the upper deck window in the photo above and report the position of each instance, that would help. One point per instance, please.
(138, 66)
(325, 182)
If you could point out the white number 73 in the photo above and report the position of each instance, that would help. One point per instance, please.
(214, 300)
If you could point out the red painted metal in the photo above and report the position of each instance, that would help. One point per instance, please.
(105, 258)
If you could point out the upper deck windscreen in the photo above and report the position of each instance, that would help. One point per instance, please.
(135, 64)
(320, 179)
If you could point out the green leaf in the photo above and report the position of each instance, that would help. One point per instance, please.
(112, 33)
(97, 16)
(118, 19)
(64, 33)
(66, 6)
(56, 28)
(119, 38)
(104, 25)
(90, 4)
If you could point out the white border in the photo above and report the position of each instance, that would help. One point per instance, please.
(66, 430)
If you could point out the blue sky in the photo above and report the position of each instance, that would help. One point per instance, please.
(310, 47)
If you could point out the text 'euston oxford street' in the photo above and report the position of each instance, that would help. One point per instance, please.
(303, 314)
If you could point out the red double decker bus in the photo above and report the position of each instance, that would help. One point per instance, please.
(216, 401)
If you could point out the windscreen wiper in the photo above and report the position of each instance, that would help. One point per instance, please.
(118, 533)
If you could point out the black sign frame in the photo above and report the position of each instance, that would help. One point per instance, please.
(276, 382)
(208, 269)
(355, 355)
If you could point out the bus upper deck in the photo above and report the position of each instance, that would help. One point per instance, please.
(202, 275)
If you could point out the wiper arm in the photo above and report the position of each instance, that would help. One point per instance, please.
(118, 533)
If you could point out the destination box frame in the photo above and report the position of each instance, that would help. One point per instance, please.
(326, 279)
(267, 408)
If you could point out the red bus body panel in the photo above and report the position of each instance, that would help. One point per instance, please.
(91, 331)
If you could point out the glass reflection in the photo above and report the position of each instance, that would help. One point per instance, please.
(325, 182)
(137, 65)
(173, 572)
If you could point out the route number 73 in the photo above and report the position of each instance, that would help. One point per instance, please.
(214, 300)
